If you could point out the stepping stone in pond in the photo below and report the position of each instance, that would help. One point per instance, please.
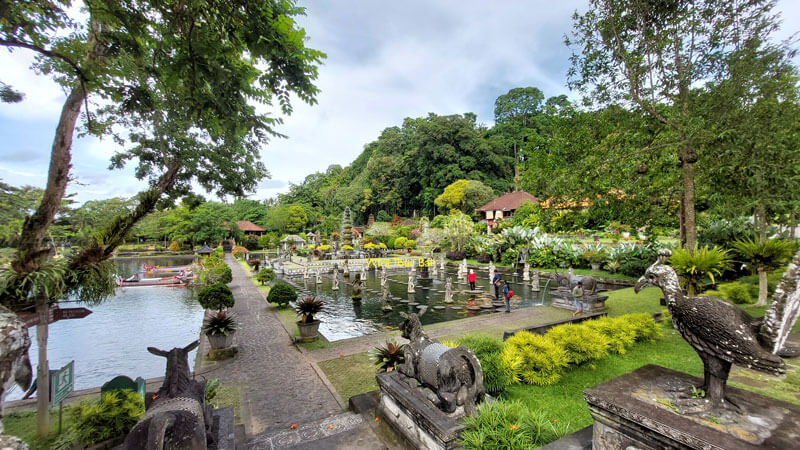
(499, 310)
(474, 308)
(413, 303)
(438, 307)
(403, 301)
(455, 307)
(487, 306)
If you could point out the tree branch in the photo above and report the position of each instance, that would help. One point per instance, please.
(45, 52)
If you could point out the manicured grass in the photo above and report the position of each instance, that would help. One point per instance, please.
(625, 301)
(589, 272)
(23, 425)
(564, 400)
(230, 395)
(350, 375)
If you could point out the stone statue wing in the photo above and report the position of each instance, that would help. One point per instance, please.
(784, 310)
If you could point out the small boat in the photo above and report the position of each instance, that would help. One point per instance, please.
(135, 280)
(166, 269)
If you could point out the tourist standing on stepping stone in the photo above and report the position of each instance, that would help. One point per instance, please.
(577, 296)
(507, 293)
(497, 282)
(471, 279)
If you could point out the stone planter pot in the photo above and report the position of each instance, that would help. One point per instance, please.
(220, 341)
(308, 331)
(626, 234)
(595, 266)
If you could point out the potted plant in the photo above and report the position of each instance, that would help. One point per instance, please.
(308, 325)
(595, 258)
(387, 358)
(219, 328)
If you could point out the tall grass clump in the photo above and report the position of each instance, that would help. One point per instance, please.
(509, 425)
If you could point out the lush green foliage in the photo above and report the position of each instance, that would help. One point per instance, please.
(265, 275)
(487, 349)
(282, 294)
(703, 262)
(509, 425)
(581, 343)
(764, 254)
(387, 357)
(216, 296)
(534, 359)
(621, 334)
(92, 422)
(736, 292)
(214, 271)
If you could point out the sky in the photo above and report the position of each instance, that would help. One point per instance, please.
(385, 61)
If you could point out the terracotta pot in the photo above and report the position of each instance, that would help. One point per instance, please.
(220, 341)
(308, 331)
(595, 266)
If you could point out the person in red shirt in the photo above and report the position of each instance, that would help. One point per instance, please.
(471, 279)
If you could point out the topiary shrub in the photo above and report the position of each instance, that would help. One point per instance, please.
(483, 259)
(643, 326)
(509, 425)
(174, 246)
(281, 294)
(536, 359)
(738, 293)
(581, 343)
(487, 349)
(216, 296)
(620, 333)
(265, 275)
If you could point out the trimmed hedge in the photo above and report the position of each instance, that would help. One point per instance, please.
(282, 294)
(581, 343)
(216, 296)
(534, 359)
(487, 349)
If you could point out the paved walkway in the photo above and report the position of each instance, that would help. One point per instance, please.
(279, 386)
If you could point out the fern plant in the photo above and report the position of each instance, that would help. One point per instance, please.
(708, 262)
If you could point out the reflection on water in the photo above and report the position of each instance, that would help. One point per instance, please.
(113, 340)
(344, 318)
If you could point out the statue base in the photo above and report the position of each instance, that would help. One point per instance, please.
(411, 414)
(652, 408)
(591, 303)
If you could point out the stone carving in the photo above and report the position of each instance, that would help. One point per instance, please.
(566, 281)
(345, 270)
(448, 291)
(305, 272)
(335, 283)
(571, 273)
(523, 255)
(435, 268)
(364, 272)
(387, 305)
(411, 282)
(452, 376)
(178, 416)
(384, 277)
(526, 275)
(357, 288)
(318, 274)
(491, 272)
(535, 282)
(15, 367)
(721, 333)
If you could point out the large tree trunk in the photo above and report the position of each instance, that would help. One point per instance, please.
(762, 287)
(761, 222)
(687, 171)
(43, 369)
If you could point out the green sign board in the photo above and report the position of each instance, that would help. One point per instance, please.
(62, 382)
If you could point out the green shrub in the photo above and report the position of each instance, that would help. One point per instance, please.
(643, 326)
(487, 349)
(114, 415)
(582, 344)
(509, 425)
(265, 275)
(216, 296)
(536, 359)
(736, 292)
(620, 333)
(281, 294)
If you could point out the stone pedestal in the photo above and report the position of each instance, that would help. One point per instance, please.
(415, 417)
(649, 409)
(591, 303)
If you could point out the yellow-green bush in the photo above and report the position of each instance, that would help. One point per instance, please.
(535, 359)
(620, 333)
(582, 344)
(738, 293)
(643, 325)
(509, 425)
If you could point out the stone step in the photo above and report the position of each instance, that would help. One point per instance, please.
(309, 435)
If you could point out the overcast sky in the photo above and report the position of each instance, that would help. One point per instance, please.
(386, 61)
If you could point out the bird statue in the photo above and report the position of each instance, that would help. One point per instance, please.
(721, 333)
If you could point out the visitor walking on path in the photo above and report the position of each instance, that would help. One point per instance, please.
(507, 294)
(577, 296)
(471, 279)
(496, 281)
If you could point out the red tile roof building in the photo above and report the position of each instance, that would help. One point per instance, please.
(249, 227)
(505, 205)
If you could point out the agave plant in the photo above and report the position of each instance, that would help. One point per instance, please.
(389, 357)
(307, 307)
(705, 262)
(762, 256)
(219, 324)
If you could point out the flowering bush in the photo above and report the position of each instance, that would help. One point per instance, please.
(347, 247)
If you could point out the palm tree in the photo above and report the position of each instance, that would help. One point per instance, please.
(763, 255)
(703, 262)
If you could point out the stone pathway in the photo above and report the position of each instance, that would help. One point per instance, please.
(279, 387)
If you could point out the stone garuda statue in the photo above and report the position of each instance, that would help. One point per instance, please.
(451, 377)
(15, 367)
(721, 333)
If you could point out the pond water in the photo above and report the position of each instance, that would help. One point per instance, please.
(343, 318)
(113, 340)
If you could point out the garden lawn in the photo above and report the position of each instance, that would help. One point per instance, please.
(350, 375)
(23, 426)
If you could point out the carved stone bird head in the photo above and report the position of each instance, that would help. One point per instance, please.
(660, 275)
